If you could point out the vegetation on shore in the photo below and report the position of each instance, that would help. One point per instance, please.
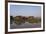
(21, 19)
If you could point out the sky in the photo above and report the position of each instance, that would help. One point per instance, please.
(25, 10)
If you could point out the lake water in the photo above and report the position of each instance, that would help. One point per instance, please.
(25, 25)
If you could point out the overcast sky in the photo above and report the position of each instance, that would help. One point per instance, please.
(25, 10)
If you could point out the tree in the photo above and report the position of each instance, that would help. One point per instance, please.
(32, 19)
(11, 19)
(18, 20)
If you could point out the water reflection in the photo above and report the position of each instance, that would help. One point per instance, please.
(25, 25)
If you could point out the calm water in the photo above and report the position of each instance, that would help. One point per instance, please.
(25, 25)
